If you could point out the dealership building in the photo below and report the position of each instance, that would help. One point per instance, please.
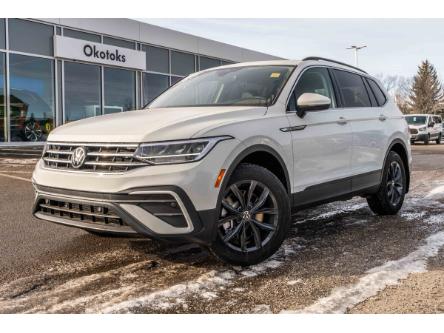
(54, 71)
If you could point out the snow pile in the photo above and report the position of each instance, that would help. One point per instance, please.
(376, 279)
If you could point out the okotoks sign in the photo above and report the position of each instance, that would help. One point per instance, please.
(76, 49)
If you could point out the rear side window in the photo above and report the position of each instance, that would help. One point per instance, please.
(352, 89)
(380, 97)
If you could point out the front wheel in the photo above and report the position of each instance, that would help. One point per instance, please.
(390, 196)
(254, 216)
(438, 140)
(427, 139)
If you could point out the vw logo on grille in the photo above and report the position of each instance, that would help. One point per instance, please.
(78, 157)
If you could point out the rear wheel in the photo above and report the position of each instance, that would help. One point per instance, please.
(254, 216)
(390, 196)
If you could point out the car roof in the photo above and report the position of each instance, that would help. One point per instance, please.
(320, 61)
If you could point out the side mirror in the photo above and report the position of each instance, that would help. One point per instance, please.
(431, 124)
(309, 102)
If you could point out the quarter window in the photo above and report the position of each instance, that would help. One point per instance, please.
(352, 89)
(380, 97)
(313, 80)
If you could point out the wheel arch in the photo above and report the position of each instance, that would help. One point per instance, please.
(264, 156)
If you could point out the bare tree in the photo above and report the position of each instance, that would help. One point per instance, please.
(399, 88)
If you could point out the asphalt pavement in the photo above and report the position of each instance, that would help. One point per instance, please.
(337, 258)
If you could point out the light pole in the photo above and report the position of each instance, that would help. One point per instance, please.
(356, 48)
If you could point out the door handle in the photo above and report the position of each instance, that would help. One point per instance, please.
(342, 121)
(382, 117)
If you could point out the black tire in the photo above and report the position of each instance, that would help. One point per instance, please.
(390, 196)
(427, 140)
(438, 140)
(249, 232)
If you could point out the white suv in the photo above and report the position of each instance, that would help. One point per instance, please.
(425, 127)
(222, 157)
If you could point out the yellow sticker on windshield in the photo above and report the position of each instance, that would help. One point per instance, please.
(275, 74)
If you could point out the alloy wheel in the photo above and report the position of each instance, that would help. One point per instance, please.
(248, 217)
(33, 132)
(394, 183)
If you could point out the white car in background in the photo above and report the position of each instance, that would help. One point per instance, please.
(223, 156)
(425, 128)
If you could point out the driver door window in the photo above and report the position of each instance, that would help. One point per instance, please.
(313, 80)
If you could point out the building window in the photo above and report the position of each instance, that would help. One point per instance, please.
(182, 63)
(82, 91)
(2, 34)
(223, 62)
(175, 79)
(31, 37)
(157, 59)
(119, 42)
(31, 97)
(82, 35)
(153, 86)
(120, 90)
(2, 99)
(206, 63)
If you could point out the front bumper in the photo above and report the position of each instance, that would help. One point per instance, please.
(146, 211)
(418, 137)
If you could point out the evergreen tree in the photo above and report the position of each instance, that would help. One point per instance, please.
(426, 94)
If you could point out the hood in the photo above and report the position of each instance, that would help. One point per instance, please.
(153, 124)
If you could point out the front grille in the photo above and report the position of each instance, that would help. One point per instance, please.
(413, 131)
(88, 213)
(99, 157)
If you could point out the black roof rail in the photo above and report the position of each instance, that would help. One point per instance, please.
(336, 62)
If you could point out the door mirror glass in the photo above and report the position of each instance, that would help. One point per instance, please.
(309, 102)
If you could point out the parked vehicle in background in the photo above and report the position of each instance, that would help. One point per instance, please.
(222, 156)
(425, 127)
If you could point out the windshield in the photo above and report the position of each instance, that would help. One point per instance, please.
(249, 85)
(416, 120)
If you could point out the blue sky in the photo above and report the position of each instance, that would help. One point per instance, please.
(394, 46)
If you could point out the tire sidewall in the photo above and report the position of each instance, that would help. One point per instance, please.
(264, 176)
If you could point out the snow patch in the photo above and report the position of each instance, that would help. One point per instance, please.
(293, 282)
(376, 279)
(410, 216)
(435, 219)
(205, 286)
(262, 308)
(436, 192)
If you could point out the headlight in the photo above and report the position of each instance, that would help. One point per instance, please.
(183, 151)
(422, 129)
